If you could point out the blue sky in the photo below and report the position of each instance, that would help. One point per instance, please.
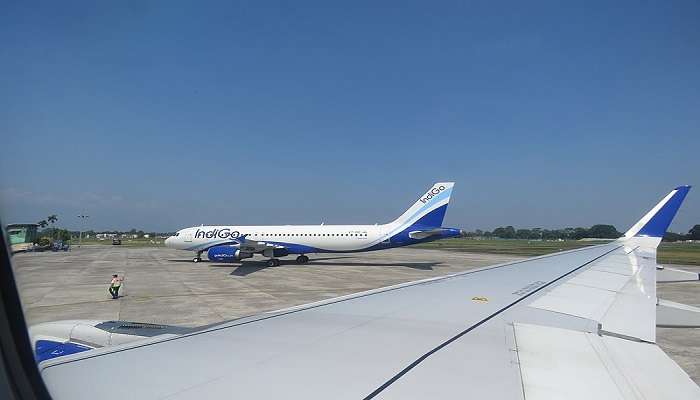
(162, 115)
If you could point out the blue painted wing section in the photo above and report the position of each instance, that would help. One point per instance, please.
(48, 349)
(225, 251)
(659, 223)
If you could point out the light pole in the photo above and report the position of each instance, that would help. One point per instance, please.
(80, 232)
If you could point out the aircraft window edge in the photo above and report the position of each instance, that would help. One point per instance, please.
(20, 368)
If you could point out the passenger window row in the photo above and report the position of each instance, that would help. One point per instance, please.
(308, 234)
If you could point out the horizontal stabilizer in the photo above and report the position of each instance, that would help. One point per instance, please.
(425, 234)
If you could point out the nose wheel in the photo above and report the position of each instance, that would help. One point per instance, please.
(197, 258)
(302, 259)
(273, 262)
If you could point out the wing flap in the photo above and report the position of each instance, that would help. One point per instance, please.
(605, 367)
(547, 370)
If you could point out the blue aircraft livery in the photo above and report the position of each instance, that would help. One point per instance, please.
(422, 222)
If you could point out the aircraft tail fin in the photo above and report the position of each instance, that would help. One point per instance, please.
(655, 223)
(429, 210)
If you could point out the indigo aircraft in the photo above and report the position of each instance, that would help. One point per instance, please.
(420, 223)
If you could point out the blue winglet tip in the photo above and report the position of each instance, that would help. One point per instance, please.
(659, 223)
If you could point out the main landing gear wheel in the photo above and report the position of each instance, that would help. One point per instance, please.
(273, 262)
(302, 259)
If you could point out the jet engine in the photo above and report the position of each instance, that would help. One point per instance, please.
(227, 254)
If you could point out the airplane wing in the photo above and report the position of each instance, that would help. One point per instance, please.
(576, 324)
(245, 245)
(254, 246)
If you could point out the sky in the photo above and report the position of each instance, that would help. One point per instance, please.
(162, 115)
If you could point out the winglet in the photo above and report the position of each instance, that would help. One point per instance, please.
(657, 220)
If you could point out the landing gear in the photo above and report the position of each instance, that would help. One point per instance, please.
(302, 259)
(273, 262)
(198, 258)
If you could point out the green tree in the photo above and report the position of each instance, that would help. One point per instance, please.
(523, 234)
(673, 237)
(42, 224)
(579, 233)
(63, 234)
(52, 220)
(569, 233)
(510, 232)
(603, 232)
(694, 233)
(504, 233)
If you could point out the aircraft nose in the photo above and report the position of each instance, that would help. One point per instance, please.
(169, 241)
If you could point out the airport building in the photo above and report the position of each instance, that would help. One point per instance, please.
(21, 236)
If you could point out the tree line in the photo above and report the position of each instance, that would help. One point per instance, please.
(138, 233)
(600, 231)
(693, 234)
(47, 234)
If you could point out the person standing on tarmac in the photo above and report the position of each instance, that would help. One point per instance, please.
(115, 285)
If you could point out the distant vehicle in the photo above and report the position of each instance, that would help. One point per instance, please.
(116, 242)
(60, 245)
(420, 223)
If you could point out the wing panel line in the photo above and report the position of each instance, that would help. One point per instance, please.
(471, 328)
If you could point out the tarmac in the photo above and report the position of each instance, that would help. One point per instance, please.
(164, 286)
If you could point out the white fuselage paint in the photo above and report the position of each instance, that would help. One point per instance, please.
(325, 237)
(318, 238)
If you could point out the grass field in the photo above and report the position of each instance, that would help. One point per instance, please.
(669, 253)
(679, 253)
